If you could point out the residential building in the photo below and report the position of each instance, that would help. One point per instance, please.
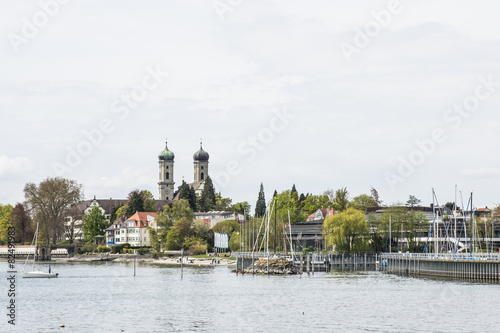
(74, 219)
(132, 230)
(214, 217)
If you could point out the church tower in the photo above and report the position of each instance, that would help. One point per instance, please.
(200, 159)
(166, 165)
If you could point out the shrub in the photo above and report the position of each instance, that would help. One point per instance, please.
(117, 248)
(103, 248)
(143, 250)
(88, 248)
(306, 249)
(197, 248)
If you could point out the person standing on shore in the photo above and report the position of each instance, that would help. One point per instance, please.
(49, 269)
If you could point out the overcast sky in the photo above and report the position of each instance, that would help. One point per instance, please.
(399, 96)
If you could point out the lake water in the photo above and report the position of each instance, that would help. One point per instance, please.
(106, 297)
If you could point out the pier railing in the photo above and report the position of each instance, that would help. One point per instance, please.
(463, 266)
(444, 256)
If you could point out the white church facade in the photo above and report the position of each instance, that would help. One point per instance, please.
(166, 172)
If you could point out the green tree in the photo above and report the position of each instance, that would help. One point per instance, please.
(341, 199)
(94, 224)
(49, 202)
(21, 221)
(5, 222)
(294, 194)
(115, 214)
(362, 202)
(207, 198)
(201, 230)
(346, 231)
(149, 202)
(285, 203)
(135, 203)
(413, 201)
(222, 204)
(314, 202)
(174, 240)
(165, 221)
(188, 193)
(234, 242)
(226, 227)
(242, 208)
(260, 206)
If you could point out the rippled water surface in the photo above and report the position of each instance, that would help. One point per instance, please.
(106, 297)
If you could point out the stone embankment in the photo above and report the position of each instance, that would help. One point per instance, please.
(276, 266)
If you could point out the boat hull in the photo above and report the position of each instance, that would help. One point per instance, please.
(39, 274)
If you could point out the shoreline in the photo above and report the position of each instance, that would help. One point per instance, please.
(175, 260)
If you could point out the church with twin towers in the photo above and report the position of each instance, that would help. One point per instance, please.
(166, 176)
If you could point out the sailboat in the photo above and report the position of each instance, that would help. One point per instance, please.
(33, 273)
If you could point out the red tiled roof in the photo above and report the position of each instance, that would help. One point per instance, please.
(141, 218)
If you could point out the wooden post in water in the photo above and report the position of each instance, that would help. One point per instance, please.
(312, 264)
(307, 263)
(182, 267)
(342, 260)
(253, 266)
(236, 265)
(267, 262)
(301, 264)
(135, 256)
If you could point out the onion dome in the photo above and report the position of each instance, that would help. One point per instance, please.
(166, 154)
(201, 155)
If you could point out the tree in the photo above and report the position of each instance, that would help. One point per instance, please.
(5, 222)
(413, 201)
(314, 202)
(375, 196)
(362, 202)
(346, 231)
(207, 198)
(135, 203)
(451, 205)
(174, 240)
(294, 193)
(226, 227)
(115, 214)
(49, 202)
(285, 203)
(149, 201)
(275, 194)
(94, 224)
(21, 221)
(187, 192)
(242, 208)
(165, 221)
(222, 204)
(341, 199)
(260, 206)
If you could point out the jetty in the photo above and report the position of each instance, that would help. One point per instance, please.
(483, 267)
(256, 262)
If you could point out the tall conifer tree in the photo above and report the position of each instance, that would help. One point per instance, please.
(260, 206)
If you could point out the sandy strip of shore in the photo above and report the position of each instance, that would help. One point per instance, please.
(219, 261)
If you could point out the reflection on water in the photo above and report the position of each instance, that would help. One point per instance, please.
(106, 297)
